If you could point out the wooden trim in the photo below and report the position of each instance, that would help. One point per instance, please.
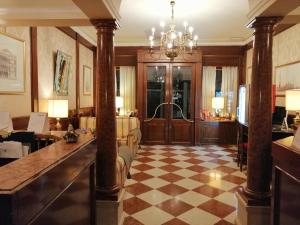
(77, 75)
(94, 75)
(34, 70)
(287, 64)
(73, 34)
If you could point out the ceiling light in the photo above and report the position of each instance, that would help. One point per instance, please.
(173, 43)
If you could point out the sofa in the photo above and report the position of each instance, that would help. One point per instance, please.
(128, 139)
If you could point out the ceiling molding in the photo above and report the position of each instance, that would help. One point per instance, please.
(113, 6)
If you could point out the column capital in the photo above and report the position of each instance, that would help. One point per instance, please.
(105, 23)
(264, 21)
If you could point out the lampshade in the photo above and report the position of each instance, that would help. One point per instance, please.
(119, 102)
(292, 100)
(217, 102)
(58, 108)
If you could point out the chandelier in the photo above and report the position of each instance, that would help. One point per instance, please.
(172, 42)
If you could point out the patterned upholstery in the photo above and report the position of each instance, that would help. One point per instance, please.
(128, 134)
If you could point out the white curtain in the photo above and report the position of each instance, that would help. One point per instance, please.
(229, 88)
(127, 88)
(208, 87)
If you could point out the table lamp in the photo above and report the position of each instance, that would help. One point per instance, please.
(218, 104)
(58, 109)
(119, 104)
(292, 103)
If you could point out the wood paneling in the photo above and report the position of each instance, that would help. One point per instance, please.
(216, 132)
(154, 132)
(55, 183)
(34, 70)
(181, 132)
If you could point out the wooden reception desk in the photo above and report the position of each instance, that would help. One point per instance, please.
(52, 186)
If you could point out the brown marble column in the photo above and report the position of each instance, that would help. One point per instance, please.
(260, 117)
(106, 179)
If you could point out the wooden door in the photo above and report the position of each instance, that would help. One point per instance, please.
(156, 95)
(182, 104)
(169, 103)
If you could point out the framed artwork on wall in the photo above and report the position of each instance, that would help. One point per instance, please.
(12, 64)
(62, 73)
(87, 80)
(286, 78)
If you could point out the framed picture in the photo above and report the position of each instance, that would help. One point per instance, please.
(12, 64)
(62, 73)
(286, 78)
(87, 80)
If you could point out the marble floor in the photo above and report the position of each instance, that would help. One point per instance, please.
(178, 185)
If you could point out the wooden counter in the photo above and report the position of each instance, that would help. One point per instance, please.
(286, 183)
(54, 185)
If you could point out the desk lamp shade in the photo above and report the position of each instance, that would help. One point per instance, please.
(292, 100)
(58, 108)
(218, 102)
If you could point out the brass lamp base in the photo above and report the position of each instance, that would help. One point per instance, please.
(58, 124)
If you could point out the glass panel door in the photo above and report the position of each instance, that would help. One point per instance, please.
(181, 92)
(156, 80)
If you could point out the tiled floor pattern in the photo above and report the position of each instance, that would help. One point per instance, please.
(177, 185)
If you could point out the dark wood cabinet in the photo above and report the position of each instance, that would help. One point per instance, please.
(286, 183)
(216, 132)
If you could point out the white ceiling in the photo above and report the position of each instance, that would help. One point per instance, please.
(216, 22)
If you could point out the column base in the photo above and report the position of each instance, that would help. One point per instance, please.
(249, 214)
(110, 212)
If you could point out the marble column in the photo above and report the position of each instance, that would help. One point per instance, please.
(106, 175)
(257, 193)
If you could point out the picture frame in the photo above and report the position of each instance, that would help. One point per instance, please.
(12, 64)
(87, 80)
(62, 73)
(286, 78)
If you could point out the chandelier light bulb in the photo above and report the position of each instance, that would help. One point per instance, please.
(151, 38)
(173, 36)
(196, 37)
(153, 30)
(180, 34)
(185, 24)
(151, 43)
(170, 45)
(191, 29)
(191, 44)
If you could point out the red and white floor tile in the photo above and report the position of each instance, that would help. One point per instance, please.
(178, 185)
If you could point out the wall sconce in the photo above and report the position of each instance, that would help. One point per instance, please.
(58, 109)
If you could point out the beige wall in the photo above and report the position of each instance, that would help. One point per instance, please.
(19, 105)
(286, 51)
(85, 59)
(50, 39)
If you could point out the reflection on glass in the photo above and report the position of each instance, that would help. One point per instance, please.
(181, 83)
(156, 76)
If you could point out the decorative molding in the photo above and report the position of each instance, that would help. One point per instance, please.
(77, 75)
(113, 7)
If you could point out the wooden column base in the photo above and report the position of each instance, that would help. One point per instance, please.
(250, 211)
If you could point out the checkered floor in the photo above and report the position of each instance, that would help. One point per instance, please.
(177, 185)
